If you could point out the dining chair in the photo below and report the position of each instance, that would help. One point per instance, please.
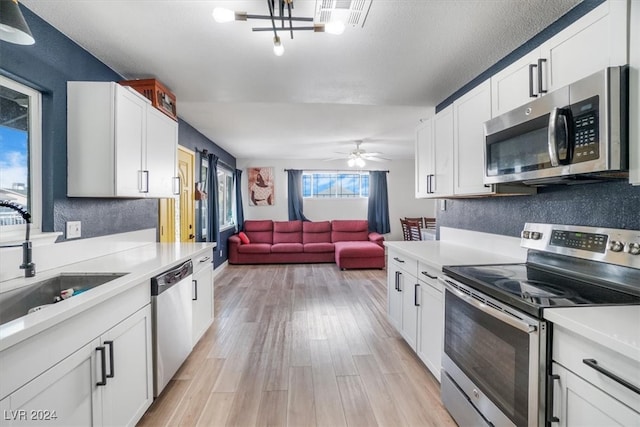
(429, 223)
(414, 229)
(418, 219)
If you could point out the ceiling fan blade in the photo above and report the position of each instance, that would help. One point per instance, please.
(333, 159)
(378, 159)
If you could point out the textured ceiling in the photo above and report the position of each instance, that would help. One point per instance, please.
(372, 83)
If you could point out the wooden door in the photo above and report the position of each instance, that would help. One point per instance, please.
(167, 220)
(186, 162)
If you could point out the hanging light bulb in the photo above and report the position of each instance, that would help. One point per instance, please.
(278, 49)
(351, 162)
(334, 27)
(220, 14)
(360, 162)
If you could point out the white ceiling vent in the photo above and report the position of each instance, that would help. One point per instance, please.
(350, 12)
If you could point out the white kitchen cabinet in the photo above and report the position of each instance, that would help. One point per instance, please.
(592, 43)
(430, 319)
(470, 111)
(395, 283)
(118, 145)
(58, 369)
(424, 157)
(634, 93)
(203, 296)
(578, 403)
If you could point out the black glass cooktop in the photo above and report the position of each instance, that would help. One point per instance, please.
(532, 289)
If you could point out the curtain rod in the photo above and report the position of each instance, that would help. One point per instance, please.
(338, 170)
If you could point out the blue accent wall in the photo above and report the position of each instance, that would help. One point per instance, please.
(47, 66)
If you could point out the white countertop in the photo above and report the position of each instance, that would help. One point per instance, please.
(614, 327)
(139, 263)
(438, 253)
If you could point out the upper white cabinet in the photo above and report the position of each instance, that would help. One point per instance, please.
(118, 145)
(470, 111)
(424, 157)
(634, 93)
(434, 156)
(592, 43)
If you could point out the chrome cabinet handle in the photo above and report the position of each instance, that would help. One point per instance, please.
(399, 260)
(593, 363)
(176, 185)
(205, 259)
(550, 382)
(195, 290)
(415, 295)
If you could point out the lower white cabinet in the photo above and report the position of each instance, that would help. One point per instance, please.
(430, 320)
(414, 307)
(579, 403)
(93, 369)
(202, 299)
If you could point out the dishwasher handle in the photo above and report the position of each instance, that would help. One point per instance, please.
(166, 280)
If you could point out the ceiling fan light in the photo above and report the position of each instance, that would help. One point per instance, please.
(278, 49)
(351, 162)
(360, 162)
(220, 14)
(334, 27)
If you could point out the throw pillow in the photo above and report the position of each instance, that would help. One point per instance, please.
(243, 237)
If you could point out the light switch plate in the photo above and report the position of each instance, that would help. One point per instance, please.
(74, 229)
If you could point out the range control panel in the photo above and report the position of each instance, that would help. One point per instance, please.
(586, 241)
(615, 246)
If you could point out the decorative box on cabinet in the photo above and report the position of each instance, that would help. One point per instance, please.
(592, 43)
(117, 144)
(157, 93)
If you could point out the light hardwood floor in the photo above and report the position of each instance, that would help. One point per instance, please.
(300, 345)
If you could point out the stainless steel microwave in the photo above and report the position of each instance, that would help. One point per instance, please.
(573, 134)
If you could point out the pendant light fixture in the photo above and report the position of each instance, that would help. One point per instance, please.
(13, 27)
(285, 20)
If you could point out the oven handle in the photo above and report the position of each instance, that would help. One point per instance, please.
(516, 323)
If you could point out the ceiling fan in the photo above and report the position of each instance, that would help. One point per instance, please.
(359, 156)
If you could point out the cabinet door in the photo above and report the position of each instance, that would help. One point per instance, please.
(594, 42)
(430, 326)
(579, 403)
(65, 395)
(129, 389)
(515, 85)
(394, 296)
(424, 158)
(202, 298)
(470, 113)
(161, 151)
(410, 305)
(130, 122)
(443, 147)
(634, 93)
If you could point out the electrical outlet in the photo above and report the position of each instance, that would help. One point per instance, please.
(220, 252)
(74, 229)
(443, 205)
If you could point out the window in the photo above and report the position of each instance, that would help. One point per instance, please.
(20, 148)
(226, 199)
(336, 185)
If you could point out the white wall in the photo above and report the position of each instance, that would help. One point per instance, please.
(401, 188)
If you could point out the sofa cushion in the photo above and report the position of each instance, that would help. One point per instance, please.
(259, 231)
(287, 232)
(320, 247)
(316, 232)
(358, 250)
(244, 238)
(255, 248)
(349, 230)
(286, 247)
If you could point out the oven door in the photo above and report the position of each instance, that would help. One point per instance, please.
(491, 354)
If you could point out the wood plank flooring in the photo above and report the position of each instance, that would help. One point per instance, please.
(300, 345)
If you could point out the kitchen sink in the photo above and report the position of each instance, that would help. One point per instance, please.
(18, 302)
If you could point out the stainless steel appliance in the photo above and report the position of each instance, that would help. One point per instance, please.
(171, 295)
(578, 132)
(497, 345)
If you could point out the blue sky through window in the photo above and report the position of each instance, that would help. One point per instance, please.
(335, 185)
(14, 159)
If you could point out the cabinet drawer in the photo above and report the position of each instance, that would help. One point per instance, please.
(201, 262)
(403, 262)
(429, 275)
(570, 350)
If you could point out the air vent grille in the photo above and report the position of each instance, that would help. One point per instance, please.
(350, 12)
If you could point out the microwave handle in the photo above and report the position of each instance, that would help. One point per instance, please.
(560, 117)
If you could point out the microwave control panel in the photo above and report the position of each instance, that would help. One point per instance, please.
(585, 121)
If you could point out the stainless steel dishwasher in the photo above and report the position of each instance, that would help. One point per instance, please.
(171, 294)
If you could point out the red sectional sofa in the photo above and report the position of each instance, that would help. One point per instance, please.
(347, 242)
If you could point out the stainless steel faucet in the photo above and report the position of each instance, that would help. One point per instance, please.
(27, 265)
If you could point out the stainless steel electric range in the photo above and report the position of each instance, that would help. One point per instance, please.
(497, 345)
